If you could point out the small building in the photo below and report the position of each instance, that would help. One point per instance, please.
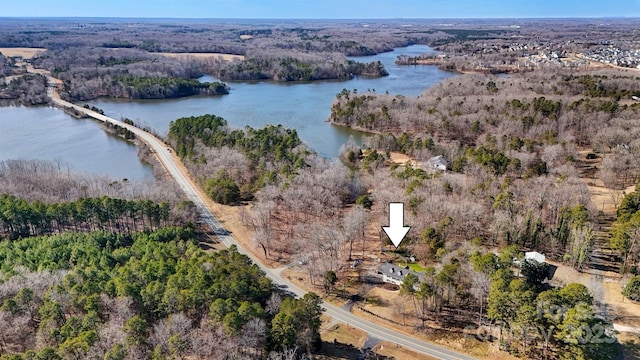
(394, 274)
(535, 256)
(438, 163)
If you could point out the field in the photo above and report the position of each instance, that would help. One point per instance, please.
(26, 53)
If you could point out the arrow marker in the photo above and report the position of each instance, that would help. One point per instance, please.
(396, 231)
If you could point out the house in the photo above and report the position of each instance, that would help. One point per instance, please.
(437, 163)
(394, 274)
(535, 256)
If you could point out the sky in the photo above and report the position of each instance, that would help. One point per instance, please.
(322, 9)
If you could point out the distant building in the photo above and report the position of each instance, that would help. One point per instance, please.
(394, 274)
(535, 256)
(437, 163)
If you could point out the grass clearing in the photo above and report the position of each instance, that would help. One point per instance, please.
(413, 266)
(344, 334)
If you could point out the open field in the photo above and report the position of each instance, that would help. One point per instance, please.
(26, 53)
(402, 159)
(200, 56)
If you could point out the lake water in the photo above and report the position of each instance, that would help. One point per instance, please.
(48, 133)
(302, 106)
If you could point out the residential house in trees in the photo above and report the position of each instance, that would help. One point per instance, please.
(394, 274)
(437, 163)
(534, 255)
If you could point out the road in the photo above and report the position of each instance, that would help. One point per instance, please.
(169, 161)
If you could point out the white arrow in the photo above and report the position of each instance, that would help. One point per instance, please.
(396, 231)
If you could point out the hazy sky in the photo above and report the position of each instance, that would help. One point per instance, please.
(325, 9)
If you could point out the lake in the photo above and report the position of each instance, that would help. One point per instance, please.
(304, 106)
(48, 133)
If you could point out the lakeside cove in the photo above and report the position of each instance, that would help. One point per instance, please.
(303, 106)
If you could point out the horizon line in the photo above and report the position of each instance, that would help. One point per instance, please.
(327, 19)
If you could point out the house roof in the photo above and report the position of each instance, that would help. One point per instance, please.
(395, 272)
(438, 160)
(535, 256)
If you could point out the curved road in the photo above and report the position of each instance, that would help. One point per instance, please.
(170, 164)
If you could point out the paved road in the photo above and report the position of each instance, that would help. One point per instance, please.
(169, 162)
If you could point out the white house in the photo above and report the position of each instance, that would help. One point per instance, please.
(394, 274)
(437, 163)
(535, 256)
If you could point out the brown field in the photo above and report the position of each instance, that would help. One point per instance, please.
(26, 53)
(396, 351)
(225, 57)
(344, 334)
(402, 159)
(626, 312)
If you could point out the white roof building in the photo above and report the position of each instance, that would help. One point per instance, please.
(438, 163)
(535, 256)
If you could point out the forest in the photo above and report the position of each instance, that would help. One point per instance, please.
(459, 274)
(122, 276)
(512, 144)
(26, 90)
(253, 158)
(534, 320)
(19, 218)
(282, 65)
(156, 295)
(88, 73)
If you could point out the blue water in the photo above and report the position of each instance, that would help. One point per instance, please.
(49, 134)
(304, 106)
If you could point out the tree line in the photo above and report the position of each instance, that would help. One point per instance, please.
(166, 87)
(535, 320)
(19, 218)
(44, 189)
(294, 66)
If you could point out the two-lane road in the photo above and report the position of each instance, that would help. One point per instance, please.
(170, 162)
